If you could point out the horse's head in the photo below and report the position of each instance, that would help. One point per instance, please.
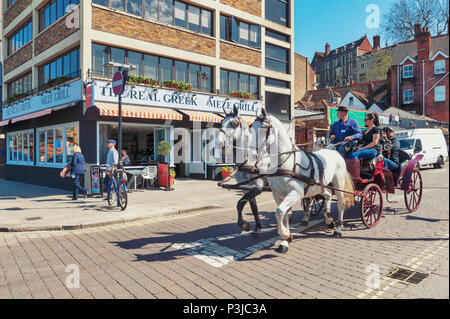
(232, 128)
(263, 126)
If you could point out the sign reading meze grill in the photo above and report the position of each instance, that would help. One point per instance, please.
(52, 98)
(145, 96)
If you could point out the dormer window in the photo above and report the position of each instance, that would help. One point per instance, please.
(408, 71)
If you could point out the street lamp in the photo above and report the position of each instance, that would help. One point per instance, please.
(124, 68)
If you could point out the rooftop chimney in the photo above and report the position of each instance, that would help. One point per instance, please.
(423, 38)
(327, 49)
(376, 42)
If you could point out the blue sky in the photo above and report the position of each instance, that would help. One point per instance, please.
(335, 21)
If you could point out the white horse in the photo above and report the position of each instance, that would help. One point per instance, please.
(288, 190)
(235, 130)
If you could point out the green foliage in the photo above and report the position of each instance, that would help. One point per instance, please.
(164, 148)
(56, 81)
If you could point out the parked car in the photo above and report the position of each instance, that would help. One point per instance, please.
(427, 141)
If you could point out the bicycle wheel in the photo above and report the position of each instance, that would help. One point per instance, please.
(123, 197)
(112, 197)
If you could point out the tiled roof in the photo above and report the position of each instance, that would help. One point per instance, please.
(409, 48)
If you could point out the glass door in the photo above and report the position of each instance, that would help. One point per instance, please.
(159, 135)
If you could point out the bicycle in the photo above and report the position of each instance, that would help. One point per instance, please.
(119, 185)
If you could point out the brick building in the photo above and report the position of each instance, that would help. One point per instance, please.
(304, 76)
(419, 75)
(57, 49)
(375, 65)
(335, 68)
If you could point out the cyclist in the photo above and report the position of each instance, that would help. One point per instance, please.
(346, 129)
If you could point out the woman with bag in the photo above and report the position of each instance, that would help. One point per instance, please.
(77, 171)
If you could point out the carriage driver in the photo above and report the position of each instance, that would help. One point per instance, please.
(346, 129)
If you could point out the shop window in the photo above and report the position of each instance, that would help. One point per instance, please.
(20, 147)
(277, 59)
(56, 144)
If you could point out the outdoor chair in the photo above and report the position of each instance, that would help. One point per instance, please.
(149, 174)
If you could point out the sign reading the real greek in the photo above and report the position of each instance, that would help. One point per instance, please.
(52, 98)
(145, 96)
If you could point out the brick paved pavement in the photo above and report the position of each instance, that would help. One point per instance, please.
(202, 255)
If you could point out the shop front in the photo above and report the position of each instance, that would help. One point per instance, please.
(151, 115)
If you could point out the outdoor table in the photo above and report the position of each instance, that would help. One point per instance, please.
(135, 171)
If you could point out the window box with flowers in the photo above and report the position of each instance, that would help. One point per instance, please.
(56, 81)
(242, 95)
(179, 86)
(15, 97)
(140, 80)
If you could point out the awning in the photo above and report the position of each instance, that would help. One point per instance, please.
(3, 123)
(31, 116)
(198, 116)
(136, 111)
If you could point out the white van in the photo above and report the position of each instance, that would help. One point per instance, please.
(427, 141)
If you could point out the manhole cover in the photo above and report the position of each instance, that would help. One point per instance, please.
(407, 275)
(32, 218)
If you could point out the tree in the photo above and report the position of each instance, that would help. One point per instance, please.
(404, 14)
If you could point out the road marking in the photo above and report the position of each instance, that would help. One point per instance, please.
(387, 282)
(216, 255)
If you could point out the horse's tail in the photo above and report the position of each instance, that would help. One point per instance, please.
(350, 191)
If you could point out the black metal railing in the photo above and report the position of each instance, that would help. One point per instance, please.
(51, 84)
(107, 75)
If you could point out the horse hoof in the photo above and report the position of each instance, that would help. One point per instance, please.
(282, 249)
(331, 226)
(337, 235)
(304, 223)
(244, 226)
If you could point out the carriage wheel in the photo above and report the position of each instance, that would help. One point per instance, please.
(371, 205)
(413, 195)
(317, 204)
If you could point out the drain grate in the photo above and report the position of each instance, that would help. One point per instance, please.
(32, 218)
(407, 275)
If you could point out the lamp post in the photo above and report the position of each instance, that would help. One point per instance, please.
(123, 69)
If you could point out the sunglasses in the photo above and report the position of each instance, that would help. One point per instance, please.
(367, 119)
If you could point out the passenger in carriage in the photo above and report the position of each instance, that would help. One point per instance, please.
(346, 129)
(371, 146)
(392, 158)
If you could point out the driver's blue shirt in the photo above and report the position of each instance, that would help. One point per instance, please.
(342, 130)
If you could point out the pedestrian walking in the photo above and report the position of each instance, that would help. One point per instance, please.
(77, 171)
(112, 158)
